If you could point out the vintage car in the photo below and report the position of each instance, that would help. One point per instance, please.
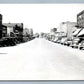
(63, 40)
(75, 42)
(81, 45)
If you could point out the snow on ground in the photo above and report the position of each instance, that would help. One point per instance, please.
(40, 59)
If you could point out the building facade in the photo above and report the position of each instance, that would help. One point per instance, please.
(80, 19)
(0, 26)
(15, 28)
(27, 32)
(4, 31)
(67, 29)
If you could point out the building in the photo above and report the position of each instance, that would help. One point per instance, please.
(0, 26)
(4, 31)
(80, 24)
(16, 28)
(0, 19)
(27, 32)
(67, 29)
(31, 32)
(80, 19)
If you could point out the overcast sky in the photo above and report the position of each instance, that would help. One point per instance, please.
(40, 17)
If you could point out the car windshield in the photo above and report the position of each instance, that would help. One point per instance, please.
(76, 40)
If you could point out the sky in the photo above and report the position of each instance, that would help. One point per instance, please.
(40, 17)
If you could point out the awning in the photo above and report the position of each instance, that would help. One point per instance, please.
(81, 33)
(77, 31)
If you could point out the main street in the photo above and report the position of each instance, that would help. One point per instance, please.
(40, 59)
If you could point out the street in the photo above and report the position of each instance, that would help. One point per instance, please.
(40, 59)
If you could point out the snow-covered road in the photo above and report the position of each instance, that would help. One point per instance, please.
(40, 59)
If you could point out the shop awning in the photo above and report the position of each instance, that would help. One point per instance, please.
(77, 31)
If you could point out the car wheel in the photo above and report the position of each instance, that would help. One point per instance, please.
(80, 48)
(72, 47)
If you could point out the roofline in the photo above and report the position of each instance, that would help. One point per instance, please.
(80, 13)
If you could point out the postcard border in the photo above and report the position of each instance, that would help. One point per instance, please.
(41, 2)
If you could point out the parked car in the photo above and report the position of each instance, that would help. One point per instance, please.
(68, 42)
(75, 43)
(63, 40)
(58, 41)
(81, 45)
(52, 38)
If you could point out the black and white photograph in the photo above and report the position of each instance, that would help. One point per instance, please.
(41, 41)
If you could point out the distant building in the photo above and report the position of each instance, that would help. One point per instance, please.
(80, 19)
(11, 30)
(15, 30)
(31, 32)
(0, 19)
(67, 29)
(25, 32)
(3, 29)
